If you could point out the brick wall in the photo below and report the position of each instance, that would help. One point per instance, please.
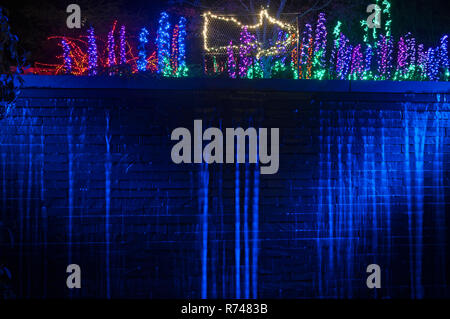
(87, 178)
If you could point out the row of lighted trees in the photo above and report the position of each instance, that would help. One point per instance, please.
(315, 53)
(314, 57)
(82, 57)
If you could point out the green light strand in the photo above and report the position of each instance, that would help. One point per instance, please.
(387, 11)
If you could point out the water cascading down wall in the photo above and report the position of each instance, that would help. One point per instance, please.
(87, 178)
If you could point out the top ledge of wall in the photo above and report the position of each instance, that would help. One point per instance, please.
(72, 82)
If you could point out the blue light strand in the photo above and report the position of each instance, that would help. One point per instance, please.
(433, 64)
(67, 56)
(122, 51)
(368, 62)
(182, 67)
(163, 45)
(443, 58)
(92, 53)
(343, 57)
(143, 40)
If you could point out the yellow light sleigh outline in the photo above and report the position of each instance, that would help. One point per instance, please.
(274, 50)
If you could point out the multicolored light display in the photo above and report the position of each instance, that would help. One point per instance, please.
(91, 57)
(98, 56)
(286, 55)
(379, 58)
(260, 51)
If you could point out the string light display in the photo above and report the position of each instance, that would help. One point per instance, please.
(279, 68)
(111, 47)
(163, 45)
(122, 51)
(182, 65)
(255, 71)
(231, 61)
(67, 56)
(343, 57)
(263, 15)
(294, 63)
(321, 34)
(422, 59)
(248, 58)
(432, 65)
(245, 51)
(174, 56)
(333, 57)
(90, 57)
(443, 58)
(366, 31)
(384, 55)
(411, 47)
(320, 46)
(402, 58)
(356, 70)
(309, 62)
(368, 63)
(76, 59)
(305, 52)
(388, 23)
(92, 53)
(215, 65)
(152, 62)
(347, 61)
(143, 40)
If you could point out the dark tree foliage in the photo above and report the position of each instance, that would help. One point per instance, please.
(11, 62)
